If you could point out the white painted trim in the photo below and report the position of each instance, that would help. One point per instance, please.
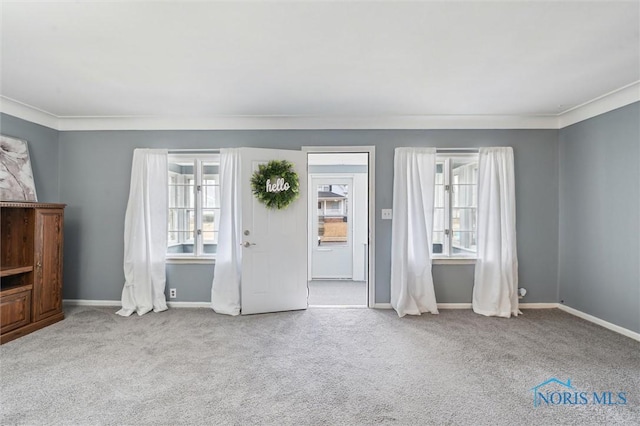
(192, 260)
(189, 304)
(85, 302)
(371, 150)
(621, 330)
(600, 105)
(382, 306)
(608, 102)
(118, 303)
(453, 261)
(537, 305)
(468, 305)
(610, 326)
(310, 122)
(27, 112)
(337, 307)
(454, 305)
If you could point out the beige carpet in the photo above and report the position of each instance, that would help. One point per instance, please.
(337, 292)
(320, 367)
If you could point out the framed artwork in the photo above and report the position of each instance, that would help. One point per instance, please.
(16, 177)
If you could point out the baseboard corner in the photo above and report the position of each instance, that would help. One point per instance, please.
(606, 324)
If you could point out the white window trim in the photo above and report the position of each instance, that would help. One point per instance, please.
(446, 258)
(198, 256)
(454, 260)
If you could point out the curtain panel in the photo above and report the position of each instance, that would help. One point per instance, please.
(495, 290)
(225, 289)
(145, 234)
(412, 231)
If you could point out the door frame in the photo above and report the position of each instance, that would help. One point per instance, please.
(371, 253)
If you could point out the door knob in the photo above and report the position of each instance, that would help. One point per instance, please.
(247, 244)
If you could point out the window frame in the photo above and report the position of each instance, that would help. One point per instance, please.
(197, 238)
(447, 256)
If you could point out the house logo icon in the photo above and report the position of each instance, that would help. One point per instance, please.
(536, 389)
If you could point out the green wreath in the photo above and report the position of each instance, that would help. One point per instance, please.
(275, 184)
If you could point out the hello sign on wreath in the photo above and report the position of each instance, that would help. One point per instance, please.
(275, 184)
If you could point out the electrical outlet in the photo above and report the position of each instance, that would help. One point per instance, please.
(173, 293)
(387, 214)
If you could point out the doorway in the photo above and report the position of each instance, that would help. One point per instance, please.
(338, 224)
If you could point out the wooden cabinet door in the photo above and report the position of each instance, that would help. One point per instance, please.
(47, 285)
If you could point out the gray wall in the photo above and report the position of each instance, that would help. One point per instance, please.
(599, 217)
(95, 168)
(593, 267)
(43, 152)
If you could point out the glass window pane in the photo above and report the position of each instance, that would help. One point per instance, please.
(463, 219)
(333, 209)
(210, 185)
(438, 242)
(438, 219)
(439, 173)
(208, 220)
(210, 248)
(209, 237)
(181, 183)
(463, 242)
(464, 195)
(439, 196)
(211, 196)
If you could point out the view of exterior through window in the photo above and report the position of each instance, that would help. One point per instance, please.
(194, 206)
(455, 205)
(333, 208)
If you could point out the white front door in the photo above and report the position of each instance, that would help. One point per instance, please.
(332, 227)
(274, 257)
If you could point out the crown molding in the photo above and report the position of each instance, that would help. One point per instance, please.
(308, 123)
(605, 103)
(27, 112)
(608, 102)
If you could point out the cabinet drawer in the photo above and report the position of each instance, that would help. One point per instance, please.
(15, 310)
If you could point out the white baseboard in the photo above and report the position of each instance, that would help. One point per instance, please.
(189, 304)
(84, 302)
(337, 307)
(537, 305)
(117, 303)
(382, 306)
(454, 305)
(606, 324)
(610, 326)
(468, 305)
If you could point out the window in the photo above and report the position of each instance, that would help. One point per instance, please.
(194, 206)
(455, 205)
(333, 209)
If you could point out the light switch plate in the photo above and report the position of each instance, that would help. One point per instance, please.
(387, 214)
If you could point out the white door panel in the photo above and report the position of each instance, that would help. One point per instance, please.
(332, 229)
(274, 263)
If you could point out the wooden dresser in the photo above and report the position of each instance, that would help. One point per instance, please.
(30, 267)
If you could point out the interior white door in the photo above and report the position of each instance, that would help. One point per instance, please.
(274, 253)
(332, 227)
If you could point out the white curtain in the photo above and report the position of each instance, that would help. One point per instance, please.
(412, 231)
(225, 291)
(495, 290)
(145, 234)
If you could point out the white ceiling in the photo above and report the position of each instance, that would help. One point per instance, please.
(346, 60)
